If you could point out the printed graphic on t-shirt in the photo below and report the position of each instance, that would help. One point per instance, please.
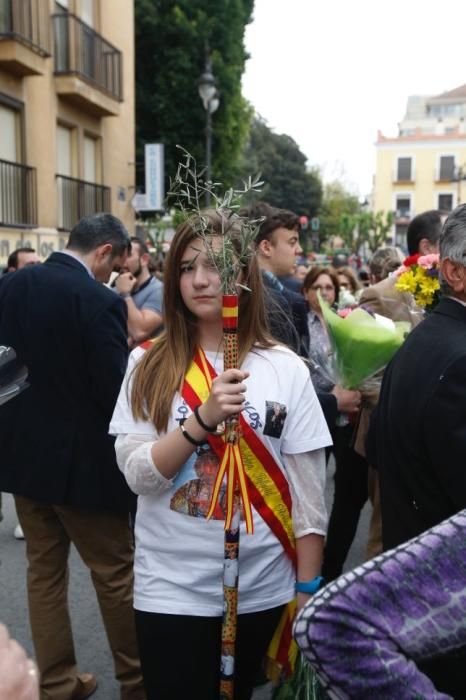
(194, 485)
(275, 414)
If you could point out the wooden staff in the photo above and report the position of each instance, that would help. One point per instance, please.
(230, 566)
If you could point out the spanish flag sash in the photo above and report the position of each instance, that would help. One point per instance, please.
(264, 487)
(267, 490)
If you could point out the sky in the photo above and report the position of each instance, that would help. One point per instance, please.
(330, 73)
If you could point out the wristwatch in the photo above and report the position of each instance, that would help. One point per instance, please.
(125, 295)
(310, 587)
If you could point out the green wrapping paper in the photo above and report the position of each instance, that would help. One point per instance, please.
(362, 345)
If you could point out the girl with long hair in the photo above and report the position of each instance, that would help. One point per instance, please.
(166, 446)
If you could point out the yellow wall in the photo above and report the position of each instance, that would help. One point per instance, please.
(119, 133)
(43, 108)
(425, 187)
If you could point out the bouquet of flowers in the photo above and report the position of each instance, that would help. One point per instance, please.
(362, 343)
(419, 276)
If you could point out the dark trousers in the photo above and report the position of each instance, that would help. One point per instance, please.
(180, 654)
(351, 493)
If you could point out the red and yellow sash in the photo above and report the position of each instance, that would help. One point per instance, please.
(267, 490)
(263, 486)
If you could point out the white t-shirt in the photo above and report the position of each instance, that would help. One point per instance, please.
(179, 554)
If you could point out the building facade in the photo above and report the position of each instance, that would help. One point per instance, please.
(424, 167)
(67, 125)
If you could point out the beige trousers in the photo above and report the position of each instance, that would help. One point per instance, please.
(104, 542)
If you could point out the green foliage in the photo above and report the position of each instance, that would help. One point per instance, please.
(368, 229)
(381, 226)
(341, 215)
(282, 166)
(338, 212)
(187, 192)
(170, 56)
(304, 684)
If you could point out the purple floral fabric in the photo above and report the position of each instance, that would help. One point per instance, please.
(364, 632)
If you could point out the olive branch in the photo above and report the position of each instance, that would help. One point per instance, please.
(187, 191)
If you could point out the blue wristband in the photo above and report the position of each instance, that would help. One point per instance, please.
(309, 587)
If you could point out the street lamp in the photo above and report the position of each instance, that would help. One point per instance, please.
(207, 87)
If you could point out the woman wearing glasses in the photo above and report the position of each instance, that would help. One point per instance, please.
(351, 469)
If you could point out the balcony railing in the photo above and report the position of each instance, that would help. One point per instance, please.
(77, 198)
(26, 21)
(18, 196)
(79, 50)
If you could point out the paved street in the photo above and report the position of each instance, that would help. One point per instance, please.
(91, 644)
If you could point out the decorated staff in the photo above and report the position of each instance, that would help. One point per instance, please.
(189, 189)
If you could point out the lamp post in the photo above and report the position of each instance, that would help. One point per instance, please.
(207, 87)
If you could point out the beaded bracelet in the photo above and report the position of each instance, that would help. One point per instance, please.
(203, 425)
(189, 438)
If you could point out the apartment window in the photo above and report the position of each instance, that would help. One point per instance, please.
(403, 206)
(5, 17)
(17, 181)
(83, 196)
(92, 168)
(65, 171)
(64, 151)
(445, 202)
(404, 169)
(87, 12)
(446, 168)
(61, 38)
(10, 146)
(401, 236)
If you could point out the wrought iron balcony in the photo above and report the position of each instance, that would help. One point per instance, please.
(79, 50)
(18, 194)
(24, 35)
(77, 198)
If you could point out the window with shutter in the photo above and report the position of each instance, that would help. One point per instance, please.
(445, 202)
(447, 168)
(404, 169)
(403, 207)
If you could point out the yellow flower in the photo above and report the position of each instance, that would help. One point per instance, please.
(407, 282)
(422, 286)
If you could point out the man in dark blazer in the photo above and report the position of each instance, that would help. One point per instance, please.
(417, 438)
(277, 246)
(56, 455)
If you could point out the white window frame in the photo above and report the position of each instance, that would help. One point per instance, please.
(97, 139)
(445, 155)
(405, 195)
(453, 194)
(413, 167)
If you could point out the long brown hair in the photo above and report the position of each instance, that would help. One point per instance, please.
(159, 374)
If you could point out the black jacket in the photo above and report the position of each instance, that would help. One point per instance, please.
(70, 331)
(417, 437)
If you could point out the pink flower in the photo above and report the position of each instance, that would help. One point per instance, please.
(429, 261)
(343, 313)
(399, 271)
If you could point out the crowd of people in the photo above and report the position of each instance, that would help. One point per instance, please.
(128, 374)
